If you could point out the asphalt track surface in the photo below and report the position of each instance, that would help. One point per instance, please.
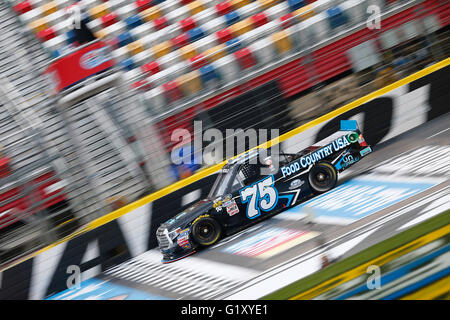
(405, 181)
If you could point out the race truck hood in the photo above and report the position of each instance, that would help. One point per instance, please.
(182, 219)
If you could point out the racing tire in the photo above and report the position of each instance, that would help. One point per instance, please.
(206, 231)
(322, 177)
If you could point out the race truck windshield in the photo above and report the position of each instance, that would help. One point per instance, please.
(220, 186)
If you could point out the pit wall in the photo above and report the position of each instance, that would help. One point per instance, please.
(130, 231)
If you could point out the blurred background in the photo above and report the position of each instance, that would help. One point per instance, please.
(91, 91)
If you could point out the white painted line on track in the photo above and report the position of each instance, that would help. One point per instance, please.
(438, 133)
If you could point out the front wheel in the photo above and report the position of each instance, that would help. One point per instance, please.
(206, 231)
(322, 177)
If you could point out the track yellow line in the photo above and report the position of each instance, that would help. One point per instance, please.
(207, 171)
(432, 291)
(379, 261)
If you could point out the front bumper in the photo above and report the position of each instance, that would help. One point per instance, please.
(176, 248)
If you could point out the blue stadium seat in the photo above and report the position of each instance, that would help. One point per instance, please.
(208, 73)
(124, 38)
(295, 4)
(234, 45)
(336, 17)
(232, 18)
(195, 34)
(133, 21)
(71, 37)
(127, 64)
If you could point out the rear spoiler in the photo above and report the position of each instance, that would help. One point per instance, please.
(349, 125)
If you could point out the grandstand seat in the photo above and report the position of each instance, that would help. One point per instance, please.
(135, 47)
(49, 8)
(236, 4)
(98, 11)
(39, 24)
(56, 17)
(141, 31)
(170, 59)
(228, 68)
(204, 16)
(187, 52)
(277, 11)
(180, 40)
(224, 35)
(142, 5)
(336, 17)
(195, 34)
(287, 20)
(151, 68)
(127, 64)
(205, 43)
(70, 37)
(234, 45)
(196, 6)
(161, 49)
(190, 82)
(151, 13)
(172, 91)
(198, 61)
(178, 14)
(263, 50)
(209, 75)
(250, 9)
(305, 12)
(160, 23)
(224, 7)
(22, 7)
(126, 10)
(215, 25)
(115, 29)
(155, 98)
(267, 3)
(259, 19)
(245, 58)
(46, 34)
(187, 24)
(133, 21)
(295, 4)
(215, 52)
(282, 41)
(140, 58)
(232, 18)
(241, 27)
(124, 38)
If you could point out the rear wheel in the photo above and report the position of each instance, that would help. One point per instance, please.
(322, 177)
(206, 231)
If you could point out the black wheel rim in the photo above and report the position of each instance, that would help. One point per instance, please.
(205, 230)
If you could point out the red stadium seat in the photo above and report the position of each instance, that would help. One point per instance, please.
(187, 24)
(172, 91)
(223, 8)
(46, 34)
(198, 61)
(259, 19)
(22, 7)
(142, 5)
(288, 20)
(109, 19)
(151, 68)
(160, 23)
(245, 58)
(224, 35)
(180, 40)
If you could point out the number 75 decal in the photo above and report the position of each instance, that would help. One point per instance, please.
(260, 195)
